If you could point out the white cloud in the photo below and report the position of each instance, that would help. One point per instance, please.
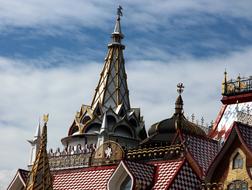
(46, 15)
(27, 92)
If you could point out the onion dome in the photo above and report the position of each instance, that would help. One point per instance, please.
(177, 121)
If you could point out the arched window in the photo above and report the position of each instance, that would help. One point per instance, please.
(238, 185)
(238, 161)
(126, 184)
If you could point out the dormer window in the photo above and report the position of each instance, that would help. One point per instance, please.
(238, 161)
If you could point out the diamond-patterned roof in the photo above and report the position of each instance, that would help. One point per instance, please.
(246, 132)
(186, 179)
(143, 173)
(79, 179)
(112, 89)
(202, 149)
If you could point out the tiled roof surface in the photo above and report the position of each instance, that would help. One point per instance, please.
(186, 179)
(203, 150)
(87, 178)
(143, 173)
(246, 132)
(165, 173)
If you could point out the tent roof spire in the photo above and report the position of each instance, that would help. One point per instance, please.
(112, 89)
(40, 176)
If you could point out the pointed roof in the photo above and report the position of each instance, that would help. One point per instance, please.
(19, 180)
(239, 131)
(36, 137)
(112, 90)
(40, 176)
(175, 123)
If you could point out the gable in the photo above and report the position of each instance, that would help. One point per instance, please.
(239, 138)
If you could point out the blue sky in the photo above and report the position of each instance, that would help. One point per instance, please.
(52, 52)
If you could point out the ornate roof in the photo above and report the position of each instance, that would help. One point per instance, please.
(175, 174)
(40, 176)
(176, 122)
(143, 174)
(202, 149)
(111, 97)
(169, 126)
(112, 90)
(86, 178)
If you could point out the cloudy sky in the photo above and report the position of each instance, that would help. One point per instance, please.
(51, 54)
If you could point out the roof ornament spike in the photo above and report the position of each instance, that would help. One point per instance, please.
(179, 101)
(117, 34)
(40, 175)
(119, 11)
(117, 29)
(193, 117)
(224, 83)
(45, 118)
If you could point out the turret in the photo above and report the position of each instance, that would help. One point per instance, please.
(236, 105)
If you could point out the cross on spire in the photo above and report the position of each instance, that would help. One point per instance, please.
(180, 88)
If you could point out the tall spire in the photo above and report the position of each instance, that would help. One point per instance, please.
(35, 144)
(40, 176)
(112, 89)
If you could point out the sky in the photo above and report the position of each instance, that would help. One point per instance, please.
(52, 52)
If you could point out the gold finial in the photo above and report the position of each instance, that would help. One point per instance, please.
(45, 118)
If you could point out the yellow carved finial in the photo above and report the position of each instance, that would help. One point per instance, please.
(45, 118)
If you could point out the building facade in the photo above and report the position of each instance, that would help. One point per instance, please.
(107, 146)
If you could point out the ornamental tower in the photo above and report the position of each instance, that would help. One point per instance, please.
(110, 115)
(40, 175)
(236, 106)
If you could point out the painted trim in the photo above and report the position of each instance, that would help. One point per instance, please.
(123, 165)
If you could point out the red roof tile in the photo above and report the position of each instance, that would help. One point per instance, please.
(165, 173)
(86, 178)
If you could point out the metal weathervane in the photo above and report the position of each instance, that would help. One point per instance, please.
(119, 11)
